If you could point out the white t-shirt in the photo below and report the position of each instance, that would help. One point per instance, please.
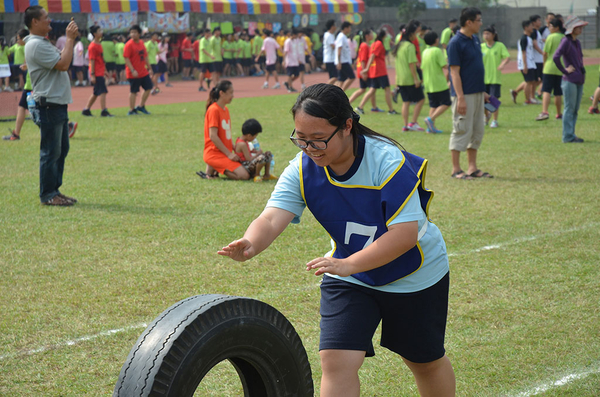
(345, 56)
(525, 44)
(289, 52)
(78, 54)
(328, 50)
(301, 48)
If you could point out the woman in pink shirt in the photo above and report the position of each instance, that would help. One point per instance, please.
(269, 48)
(163, 49)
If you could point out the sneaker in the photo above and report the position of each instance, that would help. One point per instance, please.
(538, 96)
(8, 89)
(58, 201)
(514, 94)
(12, 136)
(494, 124)
(287, 86)
(77, 83)
(142, 109)
(528, 103)
(542, 116)
(132, 113)
(276, 86)
(377, 110)
(535, 101)
(265, 85)
(395, 95)
(359, 110)
(292, 89)
(392, 113)
(592, 110)
(201, 89)
(431, 126)
(86, 112)
(258, 178)
(105, 113)
(72, 128)
(71, 199)
(559, 116)
(415, 127)
(155, 91)
(405, 129)
(208, 81)
(168, 85)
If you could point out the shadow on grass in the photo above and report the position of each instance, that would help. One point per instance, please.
(133, 209)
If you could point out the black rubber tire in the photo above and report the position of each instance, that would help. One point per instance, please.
(181, 346)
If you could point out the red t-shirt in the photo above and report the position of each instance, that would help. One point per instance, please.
(378, 67)
(196, 46)
(362, 58)
(95, 54)
(136, 52)
(186, 44)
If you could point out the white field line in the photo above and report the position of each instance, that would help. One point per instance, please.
(559, 383)
(137, 326)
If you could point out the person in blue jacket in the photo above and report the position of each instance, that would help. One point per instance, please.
(388, 261)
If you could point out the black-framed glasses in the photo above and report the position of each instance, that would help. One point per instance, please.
(319, 144)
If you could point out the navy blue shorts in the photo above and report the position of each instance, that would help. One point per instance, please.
(217, 66)
(135, 84)
(293, 70)
(413, 324)
(530, 76)
(346, 72)
(411, 93)
(271, 68)
(100, 86)
(552, 82)
(539, 72)
(301, 68)
(206, 67)
(437, 99)
(380, 82)
(330, 66)
(364, 84)
(23, 100)
(493, 90)
(154, 68)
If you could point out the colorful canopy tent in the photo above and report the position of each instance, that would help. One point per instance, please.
(250, 7)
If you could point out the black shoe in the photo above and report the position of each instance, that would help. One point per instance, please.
(142, 109)
(86, 112)
(395, 95)
(201, 89)
(132, 113)
(105, 113)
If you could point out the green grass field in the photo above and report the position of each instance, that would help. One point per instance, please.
(524, 253)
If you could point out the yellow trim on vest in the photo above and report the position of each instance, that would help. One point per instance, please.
(333, 182)
(301, 180)
(387, 223)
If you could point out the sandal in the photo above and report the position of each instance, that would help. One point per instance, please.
(204, 175)
(480, 174)
(461, 175)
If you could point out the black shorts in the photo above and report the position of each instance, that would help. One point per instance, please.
(530, 76)
(162, 67)
(437, 99)
(237, 61)
(346, 72)
(380, 82)
(206, 67)
(217, 66)
(539, 72)
(247, 62)
(154, 68)
(293, 71)
(411, 93)
(493, 90)
(228, 61)
(77, 69)
(301, 68)
(413, 324)
(144, 82)
(100, 86)
(197, 64)
(23, 100)
(331, 70)
(120, 67)
(364, 84)
(187, 63)
(271, 68)
(111, 66)
(552, 82)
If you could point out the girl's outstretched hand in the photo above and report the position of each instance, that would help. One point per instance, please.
(239, 250)
(330, 265)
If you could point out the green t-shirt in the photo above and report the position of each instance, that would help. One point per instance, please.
(152, 50)
(28, 85)
(386, 42)
(119, 47)
(398, 37)
(18, 52)
(247, 53)
(316, 41)
(407, 54)
(492, 58)
(550, 47)
(446, 36)
(236, 46)
(257, 45)
(215, 45)
(432, 64)
(4, 56)
(226, 47)
(205, 46)
(108, 51)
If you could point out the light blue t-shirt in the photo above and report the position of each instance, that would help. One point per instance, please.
(379, 161)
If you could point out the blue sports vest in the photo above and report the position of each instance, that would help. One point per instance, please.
(360, 214)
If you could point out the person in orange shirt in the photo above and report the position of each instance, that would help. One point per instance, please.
(138, 70)
(218, 147)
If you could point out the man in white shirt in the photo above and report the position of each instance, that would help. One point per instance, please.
(329, 51)
(343, 57)
(290, 58)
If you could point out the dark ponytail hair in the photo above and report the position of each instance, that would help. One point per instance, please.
(381, 34)
(492, 30)
(408, 31)
(557, 23)
(215, 92)
(329, 102)
(363, 36)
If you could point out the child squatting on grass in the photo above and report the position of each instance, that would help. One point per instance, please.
(389, 262)
(252, 157)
